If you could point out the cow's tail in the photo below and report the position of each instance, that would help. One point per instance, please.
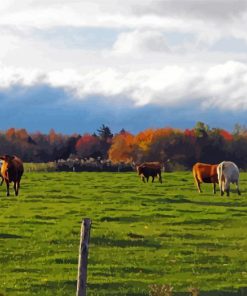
(163, 165)
(220, 176)
(194, 173)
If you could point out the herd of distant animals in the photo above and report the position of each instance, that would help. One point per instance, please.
(223, 174)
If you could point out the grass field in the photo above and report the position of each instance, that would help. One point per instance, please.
(142, 234)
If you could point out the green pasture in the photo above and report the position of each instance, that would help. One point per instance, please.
(142, 234)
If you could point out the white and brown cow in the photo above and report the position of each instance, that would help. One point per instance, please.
(228, 172)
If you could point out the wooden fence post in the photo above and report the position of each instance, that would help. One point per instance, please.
(83, 255)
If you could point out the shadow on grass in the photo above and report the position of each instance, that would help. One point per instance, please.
(123, 270)
(45, 217)
(213, 293)
(126, 219)
(135, 236)
(107, 241)
(183, 235)
(59, 241)
(118, 289)
(34, 198)
(164, 215)
(177, 199)
(67, 285)
(240, 292)
(32, 222)
(188, 211)
(29, 270)
(135, 218)
(61, 198)
(219, 204)
(66, 261)
(8, 235)
(69, 197)
(239, 212)
(200, 221)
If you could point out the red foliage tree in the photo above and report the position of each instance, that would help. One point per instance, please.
(226, 135)
(87, 145)
(190, 135)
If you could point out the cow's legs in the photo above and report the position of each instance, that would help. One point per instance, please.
(239, 193)
(143, 179)
(198, 185)
(1, 180)
(16, 187)
(222, 186)
(160, 178)
(7, 185)
(147, 178)
(227, 187)
(152, 179)
(214, 188)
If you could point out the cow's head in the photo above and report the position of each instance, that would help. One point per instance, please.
(134, 166)
(139, 169)
(7, 157)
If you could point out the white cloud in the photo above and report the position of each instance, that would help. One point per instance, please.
(223, 17)
(148, 20)
(215, 10)
(140, 41)
(221, 86)
(141, 64)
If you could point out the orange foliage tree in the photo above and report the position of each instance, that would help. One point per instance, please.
(10, 133)
(142, 144)
(122, 148)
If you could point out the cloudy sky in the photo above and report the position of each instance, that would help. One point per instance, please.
(73, 65)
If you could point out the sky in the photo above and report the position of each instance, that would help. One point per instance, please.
(74, 65)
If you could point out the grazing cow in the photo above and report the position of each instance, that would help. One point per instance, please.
(2, 179)
(149, 169)
(11, 171)
(228, 172)
(205, 173)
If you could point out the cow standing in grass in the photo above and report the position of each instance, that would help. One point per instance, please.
(1, 177)
(228, 172)
(149, 169)
(11, 171)
(205, 173)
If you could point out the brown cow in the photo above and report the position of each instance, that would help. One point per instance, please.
(205, 173)
(149, 169)
(11, 171)
(2, 179)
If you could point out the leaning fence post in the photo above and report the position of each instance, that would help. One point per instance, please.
(83, 255)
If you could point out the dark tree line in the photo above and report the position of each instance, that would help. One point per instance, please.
(39, 147)
(181, 147)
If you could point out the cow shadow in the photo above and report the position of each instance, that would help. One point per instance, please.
(9, 236)
(177, 199)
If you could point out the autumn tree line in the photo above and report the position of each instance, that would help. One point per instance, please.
(178, 149)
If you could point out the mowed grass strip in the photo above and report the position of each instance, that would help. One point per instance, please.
(142, 234)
